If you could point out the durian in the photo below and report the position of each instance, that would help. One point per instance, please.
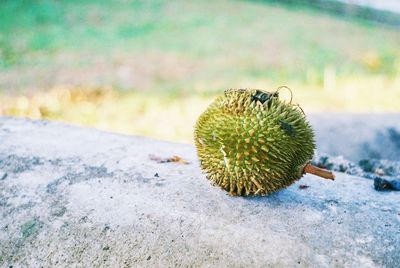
(251, 142)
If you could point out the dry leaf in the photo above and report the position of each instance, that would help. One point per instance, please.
(174, 158)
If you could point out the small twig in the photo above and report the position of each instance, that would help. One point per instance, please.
(286, 87)
(323, 173)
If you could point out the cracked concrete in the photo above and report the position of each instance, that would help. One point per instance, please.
(73, 196)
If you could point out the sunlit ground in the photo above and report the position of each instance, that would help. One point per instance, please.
(150, 68)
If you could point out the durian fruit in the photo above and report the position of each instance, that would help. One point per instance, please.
(250, 142)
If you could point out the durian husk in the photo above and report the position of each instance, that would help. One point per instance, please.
(252, 147)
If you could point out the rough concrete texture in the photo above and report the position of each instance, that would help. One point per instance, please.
(72, 196)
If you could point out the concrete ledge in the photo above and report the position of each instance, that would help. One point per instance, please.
(74, 196)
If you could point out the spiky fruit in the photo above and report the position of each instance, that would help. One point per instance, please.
(250, 142)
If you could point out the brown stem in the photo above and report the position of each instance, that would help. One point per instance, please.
(323, 173)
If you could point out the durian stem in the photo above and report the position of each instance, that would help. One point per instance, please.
(323, 173)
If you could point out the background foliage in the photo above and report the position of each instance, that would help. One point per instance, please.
(151, 67)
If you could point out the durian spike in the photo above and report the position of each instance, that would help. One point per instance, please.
(323, 173)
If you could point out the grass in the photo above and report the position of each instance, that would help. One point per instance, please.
(150, 67)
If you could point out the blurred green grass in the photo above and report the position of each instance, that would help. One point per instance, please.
(162, 61)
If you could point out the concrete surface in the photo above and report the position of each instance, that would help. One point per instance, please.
(72, 196)
(358, 136)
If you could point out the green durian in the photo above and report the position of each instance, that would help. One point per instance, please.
(250, 142)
